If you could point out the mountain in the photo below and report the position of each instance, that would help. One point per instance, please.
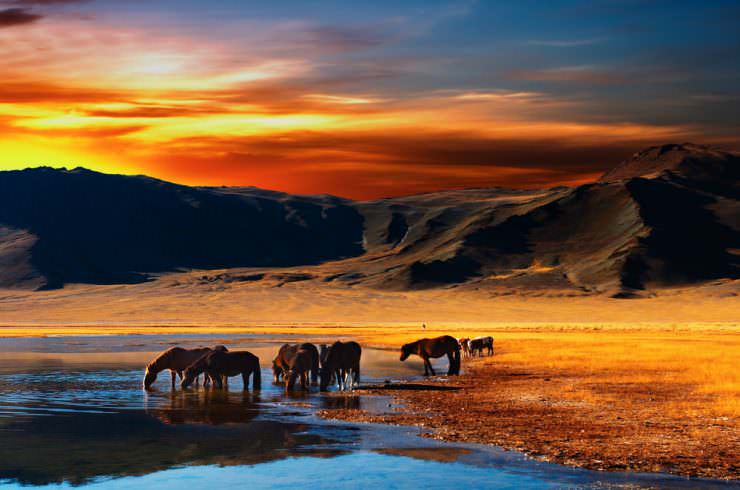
(667, 217)
(60, 226)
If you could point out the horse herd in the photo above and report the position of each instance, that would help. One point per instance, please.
(336, 363)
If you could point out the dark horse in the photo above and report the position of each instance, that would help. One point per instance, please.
(281, 363)
(342, 361)
(176, 360)
(299, 365)
(219, 364)
(479, 343)
(433, 348)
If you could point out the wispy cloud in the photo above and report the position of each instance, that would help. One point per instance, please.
(17, 16)
(571, 43)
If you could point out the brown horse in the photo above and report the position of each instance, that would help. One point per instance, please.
(343, 362)
(176, 360)
(281, 363)
(299, 365)
(219, 364)
(433, 348)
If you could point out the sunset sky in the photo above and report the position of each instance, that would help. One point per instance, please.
(363, 99)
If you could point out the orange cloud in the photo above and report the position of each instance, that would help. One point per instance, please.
(195, 109)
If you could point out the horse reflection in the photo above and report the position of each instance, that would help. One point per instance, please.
(341, 402)
(211, 407)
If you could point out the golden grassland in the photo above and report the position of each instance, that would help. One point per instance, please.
(644, 398)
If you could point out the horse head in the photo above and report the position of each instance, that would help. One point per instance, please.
(150, 375)
(189, 376)
(406, 351)
(289, 378)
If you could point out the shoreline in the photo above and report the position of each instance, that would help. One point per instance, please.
(617, 397)
(650, 407)
(546, 433)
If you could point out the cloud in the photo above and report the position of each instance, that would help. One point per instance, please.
(381, 163)
(342, 38)
(580, 74)
(17, 16)
(573, 43)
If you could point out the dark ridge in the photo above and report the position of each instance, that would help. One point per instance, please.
(455, 270)
(397, 229)
(101, 229)
(686, 243)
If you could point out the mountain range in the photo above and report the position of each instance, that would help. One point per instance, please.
(667, 217)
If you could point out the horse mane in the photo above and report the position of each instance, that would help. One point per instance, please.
(411, 345)
(156, 363)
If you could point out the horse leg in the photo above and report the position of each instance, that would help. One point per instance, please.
(172, 373)
(348, 380)
(357, 374)
(256, 378)
(217, 380)
(428, 363)
(315, 371)
(454, 359)
(245, 379)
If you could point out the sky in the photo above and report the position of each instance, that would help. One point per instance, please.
(363, 99)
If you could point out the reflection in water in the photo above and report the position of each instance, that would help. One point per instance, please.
(209, 407)
(183, 428)
(349, 402)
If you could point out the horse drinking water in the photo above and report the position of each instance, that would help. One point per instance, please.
(433, 348)
(176, 360)
(219, 365)
(281, 363)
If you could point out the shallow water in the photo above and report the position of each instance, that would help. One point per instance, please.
(72, 412)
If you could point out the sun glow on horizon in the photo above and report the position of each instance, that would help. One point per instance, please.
(310, 104)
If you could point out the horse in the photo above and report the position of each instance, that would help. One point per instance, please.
(479, 343)
(219, 364)
(176, 360)
(280, 365)
(323, 352)
(342, 362)
(463, 342)
(299, 365)
(433, 348)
